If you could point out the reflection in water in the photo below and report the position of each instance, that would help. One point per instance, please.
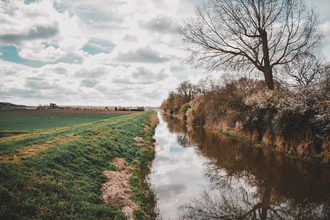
(243, 182)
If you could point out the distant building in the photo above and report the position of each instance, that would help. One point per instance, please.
(8, 105)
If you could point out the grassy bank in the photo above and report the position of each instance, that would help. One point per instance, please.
(57, 173)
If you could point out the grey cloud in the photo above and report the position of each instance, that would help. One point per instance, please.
(119, 94)
(142, 76)
(129, 38)
(89, 83)
(35, 33)
(60, 70)
(167, 191)
(128, 81)
(152, 95)
(5, 20)
(123, 81)
(162, 24)
(102, 88)
(24, 93)
(143, 55)
(95, 73)
(10, 73)
(30, 94)
(37, 83)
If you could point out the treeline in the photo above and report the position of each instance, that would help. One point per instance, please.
(292, 119)
(54, 106)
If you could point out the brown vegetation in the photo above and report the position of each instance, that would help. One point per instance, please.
(138, 138)
(32, 151)
(293, 120)
(9, 134)
(117, 190)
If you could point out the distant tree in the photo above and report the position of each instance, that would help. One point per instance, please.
(52, 106)
(188, 91)
(250, 34)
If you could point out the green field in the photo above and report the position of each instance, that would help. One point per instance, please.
(57, 173)
(19, 122)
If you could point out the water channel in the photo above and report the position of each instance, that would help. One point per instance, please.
(200, 174)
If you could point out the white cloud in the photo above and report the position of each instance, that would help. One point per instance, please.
(117, 52)
(42, 53)
(5, 69)
(326, 41)
(29, 27)
(16, 67)
(99, 84)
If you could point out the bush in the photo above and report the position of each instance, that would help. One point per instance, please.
(184, 108)
(196, 114)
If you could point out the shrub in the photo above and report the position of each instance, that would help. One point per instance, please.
(196, 114)
(185, 108)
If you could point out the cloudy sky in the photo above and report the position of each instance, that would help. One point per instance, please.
(82, 52)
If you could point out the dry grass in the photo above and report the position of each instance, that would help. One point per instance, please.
(138, 138)
(146, 127)
(15, 137)
(153, 120)
(117, 190)
(32, 151)
(143, 145)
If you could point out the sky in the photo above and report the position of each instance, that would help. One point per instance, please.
(103, 53)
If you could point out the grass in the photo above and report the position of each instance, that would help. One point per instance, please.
(19, 122)
(63, 180)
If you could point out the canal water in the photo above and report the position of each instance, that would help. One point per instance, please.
(199, 174)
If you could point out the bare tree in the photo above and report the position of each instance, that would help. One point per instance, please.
(250, 34)
(305, 69)
(188, 91)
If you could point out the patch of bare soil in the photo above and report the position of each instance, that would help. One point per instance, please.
(143, 145)
(8, 134)
(153, 121)
(117, 190)
(138, 138)
(146, 127)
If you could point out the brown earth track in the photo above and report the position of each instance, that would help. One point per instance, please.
(65, 111)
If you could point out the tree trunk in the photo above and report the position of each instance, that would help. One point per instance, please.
(268, 73)
(266, 69)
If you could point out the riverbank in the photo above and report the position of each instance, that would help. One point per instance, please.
(202, 174)
(292, 120)
(62, 173)
(322, 159)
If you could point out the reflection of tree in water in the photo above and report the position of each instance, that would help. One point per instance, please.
(253, 183)
(178, 127)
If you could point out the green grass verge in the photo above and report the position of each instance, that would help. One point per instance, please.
(30, 121)
(64, 182)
